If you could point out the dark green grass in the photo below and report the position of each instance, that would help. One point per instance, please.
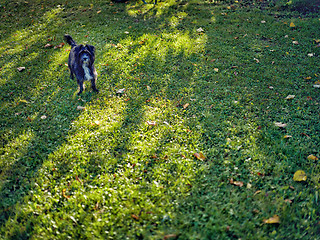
(107, 172)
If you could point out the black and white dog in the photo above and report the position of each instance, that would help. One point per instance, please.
(80, 63)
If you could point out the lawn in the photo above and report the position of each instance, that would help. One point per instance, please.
(207, 113)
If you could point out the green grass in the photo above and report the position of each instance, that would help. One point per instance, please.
(212, 76)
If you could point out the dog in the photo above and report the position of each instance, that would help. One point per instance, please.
(81, 63)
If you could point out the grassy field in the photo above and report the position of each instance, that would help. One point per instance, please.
(192, 149)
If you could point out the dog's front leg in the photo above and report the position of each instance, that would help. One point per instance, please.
(93, 85)
(80, 86)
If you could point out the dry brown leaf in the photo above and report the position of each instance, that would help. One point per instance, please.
(169, 236)
(135, 217)
(236, 183)
(186, 105)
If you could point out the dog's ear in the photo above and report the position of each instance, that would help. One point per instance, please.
(91, 49)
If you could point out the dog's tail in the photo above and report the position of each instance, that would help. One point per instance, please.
(70, 40)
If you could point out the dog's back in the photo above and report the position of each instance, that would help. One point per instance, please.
(70, 40)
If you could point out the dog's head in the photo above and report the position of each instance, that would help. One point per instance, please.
(86, 54)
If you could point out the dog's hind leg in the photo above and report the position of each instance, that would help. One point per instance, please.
(93, 85)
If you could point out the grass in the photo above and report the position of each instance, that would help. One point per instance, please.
(200, 77)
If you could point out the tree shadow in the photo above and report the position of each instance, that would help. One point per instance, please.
(38, 105)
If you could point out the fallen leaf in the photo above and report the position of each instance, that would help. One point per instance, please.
(21, 69)
(299, 176)
(186, 105)
(280, 124)
(290, 97)
(81, 108)
(310, 54)
(292, 25)
(306, 135)
(135, 217)
(200, 29)
(169, 236)
(257, 192)
(199, 156)
(121, 91)
(151, 123)
(288, 201)
(64, 193)
(257, 60)
(43, 117)
(295, 42)
(272, 220)
(95, 123)
(312, 157)
(287, 136)
(236, 183)
(307, 78)
(59, 46)
(48, 45)
(99, 12)
(216, 69)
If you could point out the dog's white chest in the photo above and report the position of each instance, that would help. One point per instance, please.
(87, 74)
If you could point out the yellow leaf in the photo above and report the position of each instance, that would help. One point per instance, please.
(287, 136)
(272, 220)
(292, 24)
(312, 157)
(186, 105)
(257, 192)
(299, 176)
(199, 156)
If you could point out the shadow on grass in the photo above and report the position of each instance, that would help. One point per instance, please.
(38, 106)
